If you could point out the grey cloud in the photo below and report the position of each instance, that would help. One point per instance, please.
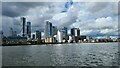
(96, 6)
(15, 9)
(0, 17)
(7, 23)
(101, 9)
(82, 15)
(0, 8)
(32, 11)
(119, 8)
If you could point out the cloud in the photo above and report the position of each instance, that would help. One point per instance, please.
(96, 6)
(35, 12)
(99, 26)
(7, 24)
(66, 18)
(0, 23)
(0, 16)
(15, 9)
(104, 23)
(63, 19)
(93, 18)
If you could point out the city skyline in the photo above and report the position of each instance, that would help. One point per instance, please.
(60, 33)
(85, 16)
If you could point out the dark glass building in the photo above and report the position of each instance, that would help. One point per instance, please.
(75, 32)
(23, 21)
(38, 35)
(33, 36)
(54, 30)
(64, 30)
(29, 29)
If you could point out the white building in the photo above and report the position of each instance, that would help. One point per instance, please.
(70, 39)
(59, 36)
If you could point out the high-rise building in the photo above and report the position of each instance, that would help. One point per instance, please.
(33, 36)
(64, 30)
(48, 29)
(75, 32)
(59, 36)
(38, 35)
(29, 29)
(54, 30)
(23, 21)
(65, 33)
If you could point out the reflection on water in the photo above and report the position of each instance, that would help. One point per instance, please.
(90, 54)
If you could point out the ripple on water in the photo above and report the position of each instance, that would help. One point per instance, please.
(69, 55)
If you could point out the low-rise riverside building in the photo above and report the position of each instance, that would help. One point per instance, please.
(14, 40)
(50, 40)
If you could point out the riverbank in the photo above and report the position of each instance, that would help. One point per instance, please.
(52, 43)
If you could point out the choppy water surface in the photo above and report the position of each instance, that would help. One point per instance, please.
(82, 54)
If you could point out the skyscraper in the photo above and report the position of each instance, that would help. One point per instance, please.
(23, 21)
(48, 29)
(75, 32)
(29, 29)
(59, 36)
(33, 36)
(38, 35)
(64, 30)
(54, 30)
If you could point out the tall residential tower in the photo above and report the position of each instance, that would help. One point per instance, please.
(23, 21)
(29, 29)
(54, 30)
(48, 29)
(75, 33)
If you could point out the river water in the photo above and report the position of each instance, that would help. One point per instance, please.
(78, 54)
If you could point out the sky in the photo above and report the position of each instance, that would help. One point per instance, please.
(92, 18)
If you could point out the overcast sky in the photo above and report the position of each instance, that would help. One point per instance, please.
(93, 18)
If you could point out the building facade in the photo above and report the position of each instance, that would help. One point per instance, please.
(38, 35)
(54, 30)
(48, 29)
(29, 29)
(23, 21)
(75, 33)
(64, 30)
(65, 33)
(14, 40)
(59, 36)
